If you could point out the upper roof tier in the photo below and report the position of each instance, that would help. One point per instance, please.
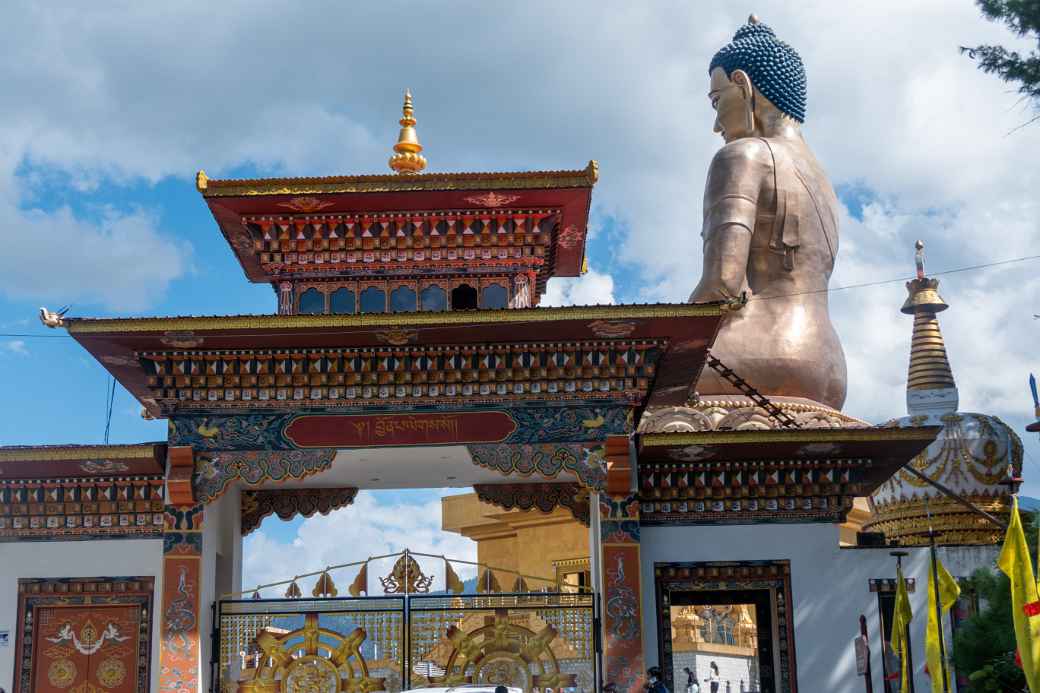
(405, 225)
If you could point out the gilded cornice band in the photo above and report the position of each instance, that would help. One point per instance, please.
(79, 326)
(46, 453)
(818, 435)
(519, 180)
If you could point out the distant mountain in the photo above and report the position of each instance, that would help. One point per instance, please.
(468, 587)
(1027, 503)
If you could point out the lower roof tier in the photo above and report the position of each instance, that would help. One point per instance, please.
(81, 461)
(630, 355)
(797, 475)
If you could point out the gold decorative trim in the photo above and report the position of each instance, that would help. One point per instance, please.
(822, 435)
(77, 452)
(586, 178)
(384, 320)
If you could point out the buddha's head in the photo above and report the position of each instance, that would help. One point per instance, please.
(755, 77)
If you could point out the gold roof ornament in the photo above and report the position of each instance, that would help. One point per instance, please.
(406, 577)
(406, 158)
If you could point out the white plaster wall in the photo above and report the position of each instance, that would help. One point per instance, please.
(221, 534)
(98, 558)
(731, 668)
(829, 587)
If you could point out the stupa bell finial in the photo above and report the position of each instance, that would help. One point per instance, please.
(929, 365)
(923, 292)
(406, 158)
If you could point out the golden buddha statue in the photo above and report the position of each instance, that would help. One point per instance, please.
(770, 234)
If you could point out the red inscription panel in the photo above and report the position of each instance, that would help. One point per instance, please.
(377, 430)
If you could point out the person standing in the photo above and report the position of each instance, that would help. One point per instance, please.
(654, 684)
(713, 679)
(691, 681)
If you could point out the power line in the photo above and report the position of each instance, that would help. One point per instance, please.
(864, 285)
(110, 394)
(830, 289)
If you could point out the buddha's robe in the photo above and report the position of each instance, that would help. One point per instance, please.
(771, 230)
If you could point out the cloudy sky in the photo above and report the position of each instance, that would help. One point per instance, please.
(106, 114)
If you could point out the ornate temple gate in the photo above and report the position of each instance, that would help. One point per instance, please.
(537, 641)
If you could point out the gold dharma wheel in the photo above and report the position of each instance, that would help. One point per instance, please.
(310, 660)
(507, 653)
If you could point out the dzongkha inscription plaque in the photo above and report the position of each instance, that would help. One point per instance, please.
(390, 430)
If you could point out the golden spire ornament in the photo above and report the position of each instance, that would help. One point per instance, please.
(406, 158)
(930, 385)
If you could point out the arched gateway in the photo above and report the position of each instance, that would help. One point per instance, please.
(373, 375)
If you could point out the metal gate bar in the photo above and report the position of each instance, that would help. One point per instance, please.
(535, 641)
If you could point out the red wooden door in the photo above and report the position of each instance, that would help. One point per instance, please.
(86, 649)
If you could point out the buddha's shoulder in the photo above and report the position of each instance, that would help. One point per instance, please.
(743, 152)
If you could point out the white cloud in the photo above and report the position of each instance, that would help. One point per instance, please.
(589, 289)
(895, 112)
(15, 346)
(372, 526)
(123, 262)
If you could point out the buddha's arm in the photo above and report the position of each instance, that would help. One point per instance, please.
(731, 197)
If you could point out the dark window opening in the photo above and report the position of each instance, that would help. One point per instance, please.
(464, 297)
(342, 302)
(434, 298)
(312, 302)
(495, 296)
(373, 300)
(402, 300)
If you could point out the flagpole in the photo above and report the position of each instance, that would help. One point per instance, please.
(938, 600)
(909, 656)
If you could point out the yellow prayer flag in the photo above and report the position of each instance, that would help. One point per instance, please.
(1014, 561)
(902, 614)
(949, 590)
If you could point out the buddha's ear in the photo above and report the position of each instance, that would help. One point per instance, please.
(741, 79)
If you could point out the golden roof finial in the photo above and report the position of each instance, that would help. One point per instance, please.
(406, 158)
(752, 19)
(929, 365)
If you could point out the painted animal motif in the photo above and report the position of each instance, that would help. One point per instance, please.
(180, 617)
(52, 318)
(87, 642)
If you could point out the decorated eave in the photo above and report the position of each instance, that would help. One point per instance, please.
(799, 475)
(624, 355)
(286, 228)
(70, 492)
(51, 462)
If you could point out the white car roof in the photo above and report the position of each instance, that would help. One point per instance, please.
(465, 688)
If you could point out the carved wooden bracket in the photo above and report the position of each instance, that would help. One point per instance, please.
(179, 469)
(620, 479)
(288, 503)
(542, 496)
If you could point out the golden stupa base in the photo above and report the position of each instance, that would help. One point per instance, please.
(739, 413)
(906, 522)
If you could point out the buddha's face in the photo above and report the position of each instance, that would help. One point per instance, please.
(729, 97)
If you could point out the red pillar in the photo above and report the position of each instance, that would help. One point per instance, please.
(180, 643)
(623, 661)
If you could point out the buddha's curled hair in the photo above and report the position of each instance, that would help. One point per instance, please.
(774, 67)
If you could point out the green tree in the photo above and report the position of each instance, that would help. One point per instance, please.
(984, 644)
(1023, 18)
